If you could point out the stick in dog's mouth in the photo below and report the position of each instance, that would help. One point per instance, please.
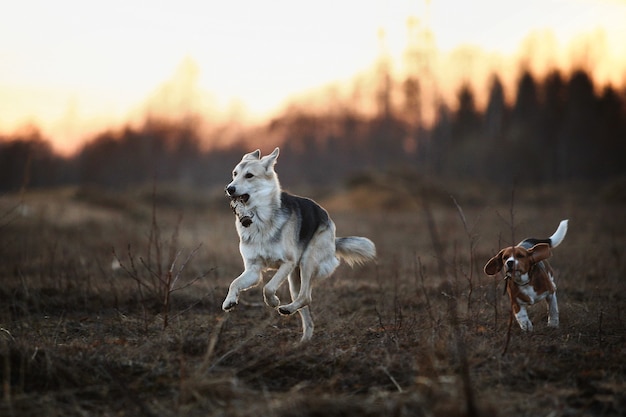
(243, 198)
(511, 274)
(238, 204)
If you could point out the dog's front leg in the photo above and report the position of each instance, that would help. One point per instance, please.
(248, 279)
(522, 318)
(269, 291)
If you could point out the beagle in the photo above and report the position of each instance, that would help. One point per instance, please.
(529, 277)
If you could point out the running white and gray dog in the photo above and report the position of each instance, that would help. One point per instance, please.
(283, 232)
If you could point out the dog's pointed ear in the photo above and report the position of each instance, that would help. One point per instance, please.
(494, 265)
(539, 252)
(252, 155)
(270, 160)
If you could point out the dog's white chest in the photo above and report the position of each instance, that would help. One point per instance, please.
(529, 292)
(268, 259)
(266, 253)
(533, 297)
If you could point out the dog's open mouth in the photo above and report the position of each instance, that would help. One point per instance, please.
(243, 198)
(512, 273)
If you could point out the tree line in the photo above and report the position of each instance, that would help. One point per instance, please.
(558, 128)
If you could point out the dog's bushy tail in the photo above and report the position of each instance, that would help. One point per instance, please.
(355, 250)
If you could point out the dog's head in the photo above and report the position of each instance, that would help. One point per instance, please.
(517, 260)
(253, 176)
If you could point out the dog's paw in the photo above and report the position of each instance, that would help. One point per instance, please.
(229, 305)
(271, 300)
(526, 326)
(285, 311)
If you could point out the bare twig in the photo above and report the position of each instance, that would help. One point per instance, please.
(210, 350)
(462, 356)
(434, 236)
(182, 267)
(453, 316)
(157, 279)
(422, 274)
(6, 380)
(506, 282)
(253, 335)
(600, 332)
(472, 240)
(508, 331)
(386, 371)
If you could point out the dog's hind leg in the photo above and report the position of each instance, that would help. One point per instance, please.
(248, 279)
(307, 323)
(305, 312)
(553, 311)
(318, 262)
(303, 297)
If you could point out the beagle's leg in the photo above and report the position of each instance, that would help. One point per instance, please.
(553, 310)
(522, 318)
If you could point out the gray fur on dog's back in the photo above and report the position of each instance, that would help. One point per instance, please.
(308, 213)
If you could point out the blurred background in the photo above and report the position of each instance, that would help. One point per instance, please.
(125, 92)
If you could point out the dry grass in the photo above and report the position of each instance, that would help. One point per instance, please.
(396, 338)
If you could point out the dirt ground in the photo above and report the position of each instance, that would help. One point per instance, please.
(110, 305)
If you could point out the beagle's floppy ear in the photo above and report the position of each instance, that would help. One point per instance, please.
(252, 155)
(539, 252)
(494, 265)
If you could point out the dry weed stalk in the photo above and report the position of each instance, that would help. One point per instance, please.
(422, 274)
(159, 278)
(472, 240)
(434, 237)
(506, 282)
(459, 338)
(12, 213)
(6, 352)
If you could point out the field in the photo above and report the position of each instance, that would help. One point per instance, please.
(110, 305)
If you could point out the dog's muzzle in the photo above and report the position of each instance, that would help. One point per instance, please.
(509, 266)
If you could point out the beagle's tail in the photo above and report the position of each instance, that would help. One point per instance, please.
(559, 235)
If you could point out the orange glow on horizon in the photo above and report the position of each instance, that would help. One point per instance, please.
(112, 66)
(539, 53)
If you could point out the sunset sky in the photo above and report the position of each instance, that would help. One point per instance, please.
(72, 67)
